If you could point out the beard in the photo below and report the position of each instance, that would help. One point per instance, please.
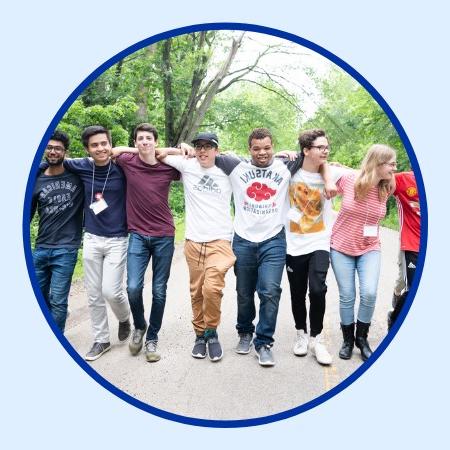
(54, 161)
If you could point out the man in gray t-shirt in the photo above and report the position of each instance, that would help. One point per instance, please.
(58, 198)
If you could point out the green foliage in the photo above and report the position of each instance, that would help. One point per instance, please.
(176, 200)
(117, 117)
(234, 114)
(132, 91)
(354, 121)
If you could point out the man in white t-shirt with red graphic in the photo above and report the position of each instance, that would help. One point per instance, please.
(260, 195)
(209, 229)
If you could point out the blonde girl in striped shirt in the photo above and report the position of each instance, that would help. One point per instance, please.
(355, 243)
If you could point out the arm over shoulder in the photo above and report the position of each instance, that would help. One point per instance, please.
(228, 163)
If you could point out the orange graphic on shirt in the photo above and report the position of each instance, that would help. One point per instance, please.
(411, 191)
(308, 202)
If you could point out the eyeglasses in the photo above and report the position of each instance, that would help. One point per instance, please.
(321, 148)
(392, 164)
(207, 147)
(56, 148)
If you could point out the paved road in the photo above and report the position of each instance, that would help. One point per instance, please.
(236, 387)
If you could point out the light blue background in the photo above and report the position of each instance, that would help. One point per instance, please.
(48, 48)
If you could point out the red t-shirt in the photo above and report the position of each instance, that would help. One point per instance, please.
(408, 211)
(348, 231)
(148, 211)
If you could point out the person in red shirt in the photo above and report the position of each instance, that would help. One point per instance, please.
(409, 218)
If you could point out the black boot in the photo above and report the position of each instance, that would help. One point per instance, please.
(348, 332)
(392, 316)
(362, 329)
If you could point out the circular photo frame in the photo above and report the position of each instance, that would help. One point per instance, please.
(285, 88)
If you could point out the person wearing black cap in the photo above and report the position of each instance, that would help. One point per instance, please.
(209, 229)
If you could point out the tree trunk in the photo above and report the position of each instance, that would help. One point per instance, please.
(142, 92)
(167, 78)
(195, 118)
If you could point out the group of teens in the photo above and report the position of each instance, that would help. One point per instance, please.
(283, 219)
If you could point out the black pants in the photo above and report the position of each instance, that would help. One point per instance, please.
(410, 266)
(304, 270)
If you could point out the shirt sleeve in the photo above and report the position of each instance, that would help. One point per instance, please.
(123, 158)
(340, 184)
(398, 182)
(338, 172)
(227, 163)
(176, 161)
(75, 165)
(294, 166)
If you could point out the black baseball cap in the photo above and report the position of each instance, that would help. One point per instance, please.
(208, 137)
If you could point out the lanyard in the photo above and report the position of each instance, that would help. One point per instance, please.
(93, 179)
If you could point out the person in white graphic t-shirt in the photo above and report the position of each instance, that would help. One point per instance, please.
(309, 223)
(209, 229)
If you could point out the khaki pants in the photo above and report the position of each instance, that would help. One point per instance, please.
(208, 264)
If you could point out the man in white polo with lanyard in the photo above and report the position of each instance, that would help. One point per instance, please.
(105, 238)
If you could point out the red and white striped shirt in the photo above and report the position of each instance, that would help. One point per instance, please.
(348, 230)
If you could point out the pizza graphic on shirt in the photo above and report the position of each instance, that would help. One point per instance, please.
(308, 202)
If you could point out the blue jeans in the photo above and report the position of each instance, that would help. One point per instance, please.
(54, 269)
(259, 267)
(140, 250)
(367, 266)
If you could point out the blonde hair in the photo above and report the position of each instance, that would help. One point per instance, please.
(375, 156)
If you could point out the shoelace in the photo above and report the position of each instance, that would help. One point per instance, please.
(150, 346)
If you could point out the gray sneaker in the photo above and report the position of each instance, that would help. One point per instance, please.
(215, 352)
(97, 350)
(137, 340)
(199, 350)
(124, 330)
(150, 351)
(265, 356)
(244, 344)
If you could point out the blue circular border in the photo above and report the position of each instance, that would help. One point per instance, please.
(242, 422)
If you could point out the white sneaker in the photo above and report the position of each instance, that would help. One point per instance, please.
(320, 351)
(301, 343)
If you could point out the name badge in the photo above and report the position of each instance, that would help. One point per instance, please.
(293, 215)
(98, 206)
(370, 230)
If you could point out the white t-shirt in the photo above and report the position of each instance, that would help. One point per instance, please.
(207, 193)
(310, 217)
(260, 196)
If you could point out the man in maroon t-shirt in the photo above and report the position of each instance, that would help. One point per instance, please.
(151, 228)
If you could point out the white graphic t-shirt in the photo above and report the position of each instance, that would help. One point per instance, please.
(260, 196)
(310, 217)
(207, 193)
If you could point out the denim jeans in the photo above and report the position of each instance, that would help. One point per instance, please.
(367, 266)
(54, 269)
(140, 250)
(259, 267)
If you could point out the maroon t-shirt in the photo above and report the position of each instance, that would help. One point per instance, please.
(148, 211)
